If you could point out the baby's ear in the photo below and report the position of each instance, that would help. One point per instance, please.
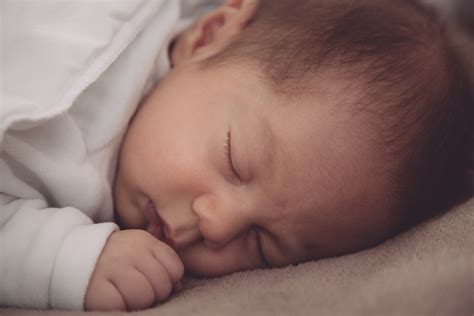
(214, 31)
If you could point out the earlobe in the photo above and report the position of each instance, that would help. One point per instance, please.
(214, 31)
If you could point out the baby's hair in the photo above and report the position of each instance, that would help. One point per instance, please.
(415, 91)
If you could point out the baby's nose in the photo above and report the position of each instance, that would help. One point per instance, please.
(181, 231)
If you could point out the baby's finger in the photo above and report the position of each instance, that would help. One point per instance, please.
(135, 288)
(157, 275)
(104, 296)
(170, 260)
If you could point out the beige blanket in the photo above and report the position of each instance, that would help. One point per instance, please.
(428, 270)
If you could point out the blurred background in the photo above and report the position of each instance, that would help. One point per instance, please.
(460, 10)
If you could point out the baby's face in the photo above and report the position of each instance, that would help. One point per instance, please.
(241, 177)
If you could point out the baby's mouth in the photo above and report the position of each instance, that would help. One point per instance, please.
(154, 225)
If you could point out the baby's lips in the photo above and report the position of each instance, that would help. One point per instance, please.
(154, 225)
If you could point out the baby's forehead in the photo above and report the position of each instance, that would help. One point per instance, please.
(323, 148)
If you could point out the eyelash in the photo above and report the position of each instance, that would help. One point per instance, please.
(229, 156)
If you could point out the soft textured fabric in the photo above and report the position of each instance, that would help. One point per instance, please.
(428, 270)
(73, 74)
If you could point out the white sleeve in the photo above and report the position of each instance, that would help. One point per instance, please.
(47, 255)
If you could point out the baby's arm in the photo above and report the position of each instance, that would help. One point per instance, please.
(134, 271)
(47, 255)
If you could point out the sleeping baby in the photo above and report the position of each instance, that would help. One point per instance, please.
(285, 131)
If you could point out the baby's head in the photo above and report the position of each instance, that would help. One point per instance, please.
(296, 130)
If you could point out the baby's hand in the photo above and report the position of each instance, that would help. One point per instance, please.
(134, 271)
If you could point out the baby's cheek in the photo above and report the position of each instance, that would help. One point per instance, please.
(126, 213)
(201, 260)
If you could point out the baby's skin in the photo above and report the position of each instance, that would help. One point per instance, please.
(235, 175)
(134, 271)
